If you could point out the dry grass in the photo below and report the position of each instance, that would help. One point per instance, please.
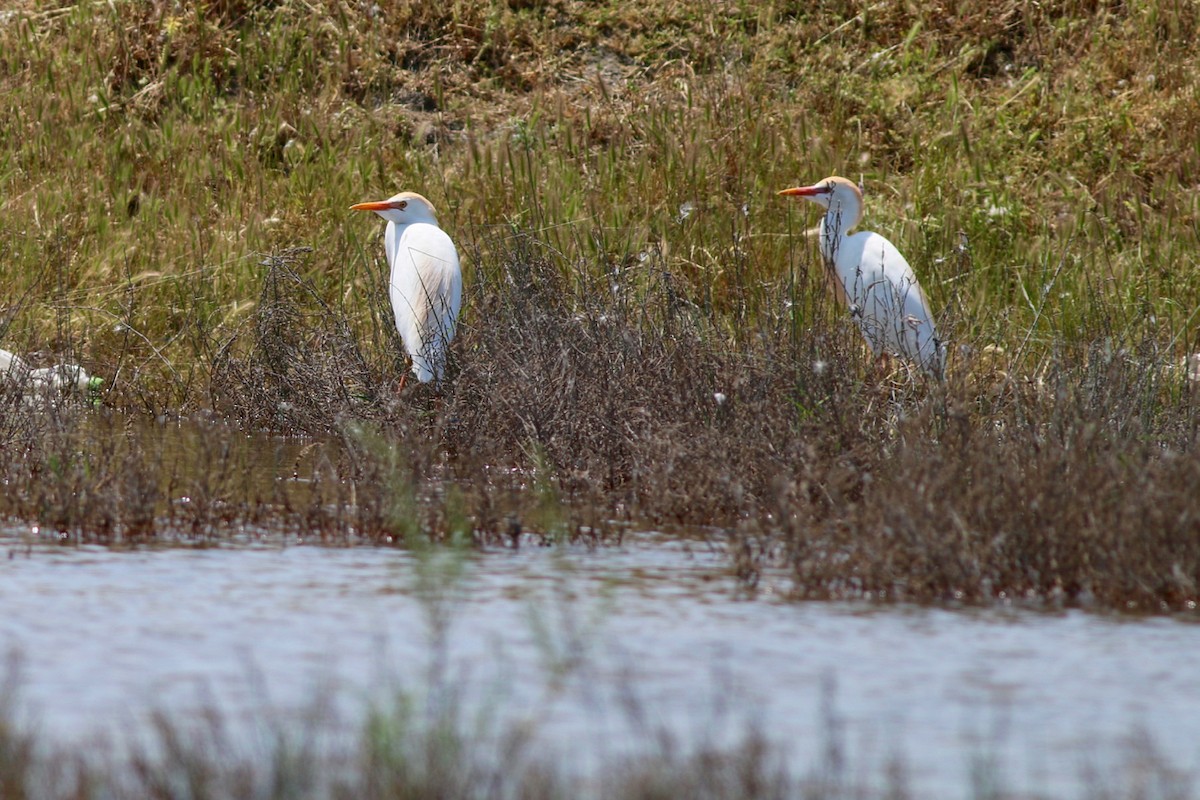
(575, 411)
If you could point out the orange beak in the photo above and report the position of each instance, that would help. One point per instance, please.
(804, 191)
(380, 205)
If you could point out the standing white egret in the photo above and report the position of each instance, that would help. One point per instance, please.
(426, 280)
(873, 279)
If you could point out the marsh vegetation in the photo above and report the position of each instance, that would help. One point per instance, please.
(648, 338)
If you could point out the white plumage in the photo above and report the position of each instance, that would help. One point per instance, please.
(425, 286)
(873, 279)
(46, 382)
(12, 365)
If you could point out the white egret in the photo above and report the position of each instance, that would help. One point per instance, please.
(873, 279)
(426, 280)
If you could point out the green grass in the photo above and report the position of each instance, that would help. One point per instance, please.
(150, 152)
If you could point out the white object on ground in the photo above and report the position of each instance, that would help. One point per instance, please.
(59, 378)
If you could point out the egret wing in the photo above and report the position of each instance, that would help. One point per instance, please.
(887, 301)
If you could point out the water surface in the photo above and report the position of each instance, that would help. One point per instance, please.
(653, 635)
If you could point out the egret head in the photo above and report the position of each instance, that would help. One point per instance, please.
(837, 194)
(402, 209)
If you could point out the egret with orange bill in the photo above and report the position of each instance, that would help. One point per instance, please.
(873, 279)
(426, 280)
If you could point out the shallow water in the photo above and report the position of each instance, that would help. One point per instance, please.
(105, 637)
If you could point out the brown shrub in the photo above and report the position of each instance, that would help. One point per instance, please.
(575, 402)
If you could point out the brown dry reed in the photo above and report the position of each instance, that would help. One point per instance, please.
(577, 410)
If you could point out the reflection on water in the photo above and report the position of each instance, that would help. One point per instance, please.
(106, 636)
